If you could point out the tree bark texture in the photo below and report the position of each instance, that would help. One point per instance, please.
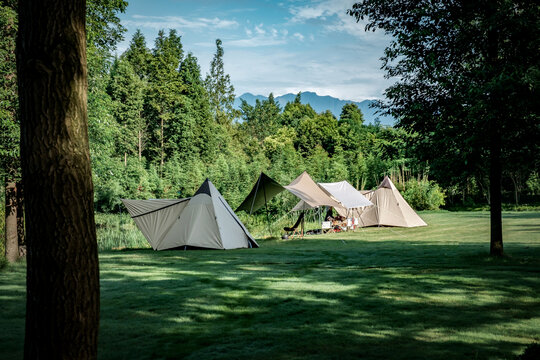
(62, 309)
(12, 242)
(495, 139)
(20, 215)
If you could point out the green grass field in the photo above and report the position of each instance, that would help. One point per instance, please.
(377, 293)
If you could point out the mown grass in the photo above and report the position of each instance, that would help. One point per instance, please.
(378, 293)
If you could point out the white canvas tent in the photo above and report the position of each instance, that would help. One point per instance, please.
(389, 208)
(204, 221)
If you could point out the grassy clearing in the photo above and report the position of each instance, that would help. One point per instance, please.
(379, 293)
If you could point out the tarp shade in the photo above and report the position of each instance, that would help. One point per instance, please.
(264, 190)
(346, 194)
(306, 189)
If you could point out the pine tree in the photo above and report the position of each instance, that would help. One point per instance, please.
(165, 89)
(219, 88)
(127, 92)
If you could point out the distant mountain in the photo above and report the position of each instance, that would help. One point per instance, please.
(322, 103)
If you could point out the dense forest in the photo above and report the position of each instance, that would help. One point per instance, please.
(158, 128)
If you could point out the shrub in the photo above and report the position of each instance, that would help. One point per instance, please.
(423, 194)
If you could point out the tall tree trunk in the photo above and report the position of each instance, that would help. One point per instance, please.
(494, 101)
(140, 144)
(20, 215)
(162, 150)
(12, 243)
(62, 306)
(496, 244)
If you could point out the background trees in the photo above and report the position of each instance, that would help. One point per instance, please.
(468, 80)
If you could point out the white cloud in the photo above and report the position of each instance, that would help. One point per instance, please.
(259, 30)
(334, 17)
(299, 36)
(179, 22)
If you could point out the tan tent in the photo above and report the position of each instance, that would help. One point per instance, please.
(203, 221)
(307, 190)
(389, 208)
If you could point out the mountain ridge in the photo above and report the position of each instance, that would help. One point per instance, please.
(321, 103)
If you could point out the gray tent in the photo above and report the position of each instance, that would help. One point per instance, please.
(203, 221)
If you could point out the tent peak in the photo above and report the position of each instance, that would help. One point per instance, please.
(205, 188)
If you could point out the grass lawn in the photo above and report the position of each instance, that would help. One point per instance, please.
(378, 293)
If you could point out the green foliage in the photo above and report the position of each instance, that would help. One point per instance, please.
(423, 194)
(9, 120)
(320, 130)
(533, 183)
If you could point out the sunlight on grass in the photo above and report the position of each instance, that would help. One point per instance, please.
(384, 293)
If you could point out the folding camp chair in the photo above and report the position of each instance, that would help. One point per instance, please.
(295, 229)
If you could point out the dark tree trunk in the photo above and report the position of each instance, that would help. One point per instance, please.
(496, 244)
(62, 309)
(12, 243)
(20, 214)
(495, 141)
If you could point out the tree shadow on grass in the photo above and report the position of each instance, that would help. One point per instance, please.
(371, 300)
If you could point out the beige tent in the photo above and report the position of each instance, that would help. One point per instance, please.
(307, 190)
(203, 221)
(389, 208)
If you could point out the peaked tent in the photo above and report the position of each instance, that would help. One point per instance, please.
(389, 208)
(205, 220)
(307, 190)
(263, 191)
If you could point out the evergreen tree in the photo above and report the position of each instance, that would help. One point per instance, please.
(350, 126)
(127, 92)
(164, 93)
(219, 88)
(205, 139)
(138, 55)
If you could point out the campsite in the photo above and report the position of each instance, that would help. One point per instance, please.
(378, 293)
(293, 179)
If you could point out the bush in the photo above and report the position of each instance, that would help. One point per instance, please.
(423, 194)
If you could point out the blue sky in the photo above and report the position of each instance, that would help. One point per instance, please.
(272, 46)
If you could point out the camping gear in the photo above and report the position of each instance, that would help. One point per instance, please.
(293, 230)
(203, 221)
(389, 208)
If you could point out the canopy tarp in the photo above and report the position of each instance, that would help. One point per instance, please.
(306, 189)
(346, 194)
(263, 191)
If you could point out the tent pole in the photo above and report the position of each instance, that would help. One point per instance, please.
(303, 218)
(267, 216)
(256, 190)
